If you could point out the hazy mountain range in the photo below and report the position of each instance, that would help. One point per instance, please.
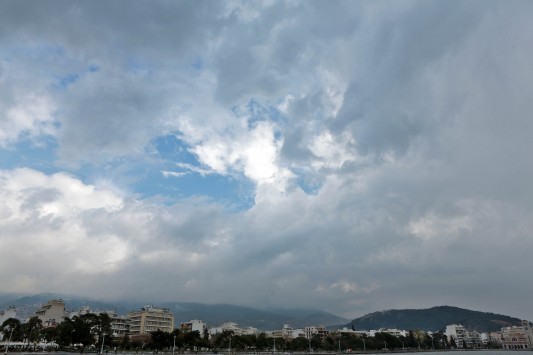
(432, 319)
(212, 314)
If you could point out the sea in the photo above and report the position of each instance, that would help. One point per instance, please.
(472, 352)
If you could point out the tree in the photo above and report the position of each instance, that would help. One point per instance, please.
(452, 342)
(11, 329)
(101, 328)
(81, 331)
(64, 335)
(161, 340)
(192, 339)
(32, 330)
(440, 340)
(222, 340)
(299, 344)
(316, 342)
(49, 334)
(411, 341)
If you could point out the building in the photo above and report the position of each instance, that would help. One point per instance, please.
(319, 331)
(150, 319)
(83, 310)
(120, 325)
(351, 331)
(517, 337)
(52, 313)
(462, 337)
(194, 325)
(250, 331)
(393, 332)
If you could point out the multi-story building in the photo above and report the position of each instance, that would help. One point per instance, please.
(120, 325)
(194, 325)
(52, 313)
(517, 337)
(319, 330)
(287, 332)
(463, 337)
(150, 319)
(228, 327)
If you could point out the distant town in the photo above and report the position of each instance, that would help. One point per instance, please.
(153, 328)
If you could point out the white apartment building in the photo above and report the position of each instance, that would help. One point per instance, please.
(194, 325)
(233, 327)
(52, 313)
(150, 319)
(250, 331)
(463, 337)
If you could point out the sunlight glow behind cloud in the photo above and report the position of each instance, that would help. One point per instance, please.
(338, 155)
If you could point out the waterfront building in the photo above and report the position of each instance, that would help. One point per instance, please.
(194, 325)
(149, 319)
(52, 313)
(250, 331)
(394, 332)
(286, 332)
(81, 311)
(462, 337)
(520, 337)
(120, 324)
(316, 330)
(351, 331)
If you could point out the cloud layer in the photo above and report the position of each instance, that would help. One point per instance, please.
(348, 156)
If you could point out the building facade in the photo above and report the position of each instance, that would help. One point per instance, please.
(319, 331)
(462, 337)
(194, 325)
(150, 319)
(120, 325)
(517, 338)
(52, 313)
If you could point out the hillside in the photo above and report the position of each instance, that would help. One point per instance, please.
(434, 319)
(212, 314)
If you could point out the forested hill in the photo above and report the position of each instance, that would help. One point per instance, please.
(434, 319)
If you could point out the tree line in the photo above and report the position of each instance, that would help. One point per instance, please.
(92, 330)
(79, 331)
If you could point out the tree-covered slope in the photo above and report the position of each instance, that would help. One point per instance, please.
(434, 319)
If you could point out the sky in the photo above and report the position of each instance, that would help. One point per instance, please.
(347, 156)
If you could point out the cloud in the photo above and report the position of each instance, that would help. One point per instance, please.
(387, 147)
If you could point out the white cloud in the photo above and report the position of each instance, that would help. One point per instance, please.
(410, 122)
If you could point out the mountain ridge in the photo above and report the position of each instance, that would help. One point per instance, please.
(434, 319)
(212, 314)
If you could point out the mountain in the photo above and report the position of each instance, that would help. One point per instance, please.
(434, 319)
(212, 314)
(245, 316)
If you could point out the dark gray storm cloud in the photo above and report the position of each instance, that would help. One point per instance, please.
(387, 146)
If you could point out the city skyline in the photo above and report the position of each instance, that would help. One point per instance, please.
(344, 156)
